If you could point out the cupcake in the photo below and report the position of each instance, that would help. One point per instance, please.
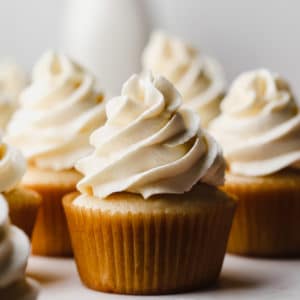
(15, 249)
(199, 78)
(57, 113)
(259, 129)
(23, 203)
(12, 81)
(149, 218)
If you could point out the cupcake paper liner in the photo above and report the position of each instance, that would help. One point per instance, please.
(50, 235)
(267, 219)
(148, 252)
(23, 208)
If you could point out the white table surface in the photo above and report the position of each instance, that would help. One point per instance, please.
(241, 278)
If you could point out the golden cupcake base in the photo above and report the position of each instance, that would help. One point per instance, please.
(50, 235)
(23, 208)
(151, 249)
(267, 219)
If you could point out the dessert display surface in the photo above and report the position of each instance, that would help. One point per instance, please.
(241, 278)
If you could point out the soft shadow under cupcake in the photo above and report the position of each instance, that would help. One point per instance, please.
(277, 258)
(229, 282)
(237, 281)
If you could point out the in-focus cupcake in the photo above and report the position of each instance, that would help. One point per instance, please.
(150, 219)
(199, 78)
(23, 203)
(57, 114)
(14, 252)
(259, 129)
(12, 82)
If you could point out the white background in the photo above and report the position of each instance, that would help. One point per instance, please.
(241, 34)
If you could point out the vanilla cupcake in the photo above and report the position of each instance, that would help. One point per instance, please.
(57, 113)
(199, 78)
(149, 219)
(23, 203)
(12, 82)
(259, 129)
(14, 252)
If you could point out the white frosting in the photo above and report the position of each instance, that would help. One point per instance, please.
(148, 146)
(12, 82)
(14, 251)
(58, 112)
(259, 127)
(12, 167)
(199, 79)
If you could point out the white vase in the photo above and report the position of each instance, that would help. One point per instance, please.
(106, 36)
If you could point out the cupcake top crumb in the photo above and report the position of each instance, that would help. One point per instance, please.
(259, 127)
(149, 145)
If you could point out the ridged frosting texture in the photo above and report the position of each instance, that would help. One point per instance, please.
(57, 114)
(199, 78)
(14, 250)
(148, 146)
(12, 167)
(259, 127)
(12, 82)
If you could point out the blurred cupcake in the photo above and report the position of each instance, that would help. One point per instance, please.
(23, 203)
(259, 129)
(14, 252)
(199, 78)
(149, 219)
(57, 113)
(12, 82)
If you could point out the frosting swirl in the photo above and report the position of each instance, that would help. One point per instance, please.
(58, 112)
(12, 81)
(148, 146)
(14, 250)
(199, 79)
(12, 167)
(259, 127)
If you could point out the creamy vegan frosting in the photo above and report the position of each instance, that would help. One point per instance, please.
(259, 127)
(12, 82)
(57, 114)
(12, 167)
(14, 252)
(148, 146)
(199, 79)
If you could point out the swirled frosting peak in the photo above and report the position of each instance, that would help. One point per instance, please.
(58, 112)
(14, 252)
(149, 146)
(12, 167)
(12, 81)
(259, 127)
(199, 79)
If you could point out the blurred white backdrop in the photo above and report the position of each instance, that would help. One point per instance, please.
(29, 27)
(241, 34)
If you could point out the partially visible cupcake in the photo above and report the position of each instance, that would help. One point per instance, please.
(259, 129)
(199, 78)
(150, 219)
(14, 252)
(23, 203)
(12, 82)
(57, 114)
